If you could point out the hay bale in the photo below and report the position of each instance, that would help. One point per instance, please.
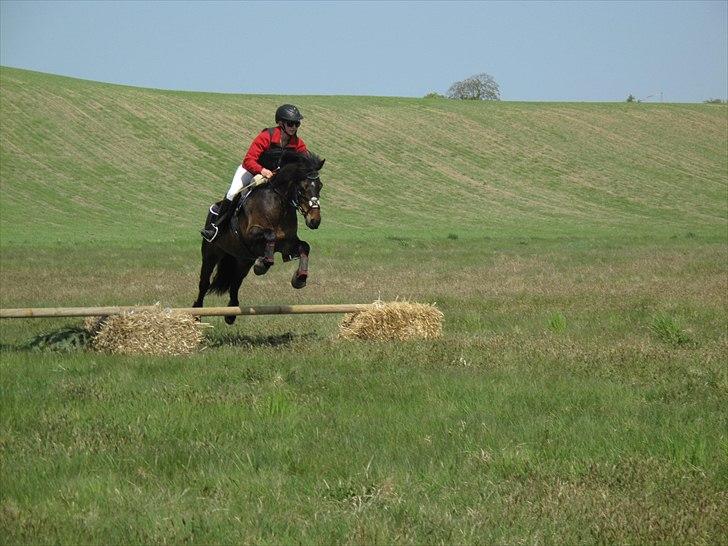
(396, 320)
(149, 331)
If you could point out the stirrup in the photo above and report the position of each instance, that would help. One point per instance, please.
(204, 235)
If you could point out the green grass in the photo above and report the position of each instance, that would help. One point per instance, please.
(336, 444)
(510, 428)
(578, 394)
(668, 330)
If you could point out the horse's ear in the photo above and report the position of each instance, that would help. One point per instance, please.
(320, 165)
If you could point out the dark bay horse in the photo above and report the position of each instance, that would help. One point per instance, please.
(264, 222)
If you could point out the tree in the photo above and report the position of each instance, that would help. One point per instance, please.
(434, 95)
(479, 87)
(631, 98)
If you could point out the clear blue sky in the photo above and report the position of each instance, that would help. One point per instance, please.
(539, 51)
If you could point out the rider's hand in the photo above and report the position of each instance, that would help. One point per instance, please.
(266, 172)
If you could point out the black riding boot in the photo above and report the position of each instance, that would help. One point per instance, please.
(223, 212)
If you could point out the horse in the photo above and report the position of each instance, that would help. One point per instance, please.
(264, 222)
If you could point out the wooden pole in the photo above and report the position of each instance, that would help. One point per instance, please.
(50, 312)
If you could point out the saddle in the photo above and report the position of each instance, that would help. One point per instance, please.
(236, 208)
(240, 198)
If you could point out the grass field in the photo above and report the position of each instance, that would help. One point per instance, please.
(579, 253)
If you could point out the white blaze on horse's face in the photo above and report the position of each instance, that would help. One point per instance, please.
(310, 200)
(313, 214)
(313, 202)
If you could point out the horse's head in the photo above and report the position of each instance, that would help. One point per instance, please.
(308, 189)
(298, 176)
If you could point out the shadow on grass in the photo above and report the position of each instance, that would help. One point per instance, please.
(63, 340)
(239, 340)
(78, 339)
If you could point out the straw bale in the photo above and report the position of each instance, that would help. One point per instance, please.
(149, 331)
(93, 324)
(396, 320)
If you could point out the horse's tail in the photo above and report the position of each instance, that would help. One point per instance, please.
(224, 274)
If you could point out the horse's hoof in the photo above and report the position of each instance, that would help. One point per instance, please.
(230, 319)
(299, 281)
(261, 266)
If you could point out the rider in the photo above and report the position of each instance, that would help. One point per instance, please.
(288, 119)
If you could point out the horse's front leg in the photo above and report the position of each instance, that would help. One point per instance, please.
(243, 267)
(263, 263)
(301, 274)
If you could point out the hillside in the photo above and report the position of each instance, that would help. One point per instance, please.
(130, 164)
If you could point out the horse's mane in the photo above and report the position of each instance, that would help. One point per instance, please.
(270, 158)
(306, 161)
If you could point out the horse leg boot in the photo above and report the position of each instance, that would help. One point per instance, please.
(301, 274)
(270, 246)
(223, 212)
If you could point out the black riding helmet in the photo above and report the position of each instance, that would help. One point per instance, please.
(288, 112)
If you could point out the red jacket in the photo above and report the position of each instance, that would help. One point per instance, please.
(264, 141)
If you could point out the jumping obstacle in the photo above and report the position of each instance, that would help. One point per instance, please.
(51, 312)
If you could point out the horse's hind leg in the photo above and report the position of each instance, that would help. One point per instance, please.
(242, 270)
(301, 274)
(209, 260)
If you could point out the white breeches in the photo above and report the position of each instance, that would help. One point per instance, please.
(241, 179)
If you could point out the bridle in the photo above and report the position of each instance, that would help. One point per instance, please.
(297, 199)
(311, 178)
